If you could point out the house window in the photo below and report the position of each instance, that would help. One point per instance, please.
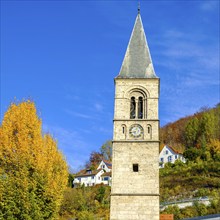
(132, 108)
(170, 159)
(92, 177)
(105, 178)
(167, 151)
(135, 167)
(103, 166)
(79, 179)
(176, 156)
(161, 159)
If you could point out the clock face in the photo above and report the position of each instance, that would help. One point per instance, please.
(136, 130)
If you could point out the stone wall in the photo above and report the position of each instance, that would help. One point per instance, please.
(146, 180)
(135, 194)
(135, 208)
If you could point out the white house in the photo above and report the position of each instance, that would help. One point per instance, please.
(90, 177)
(102, 174)
(168, 154)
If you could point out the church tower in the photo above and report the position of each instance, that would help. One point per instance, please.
(135, 168)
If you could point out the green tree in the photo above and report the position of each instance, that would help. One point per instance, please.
(33, 173)
(192, 154)
(206, 127)
(173, 209)
(191, 132)
(106, 150)
(70, 180)
(101, 193)
(200, 208)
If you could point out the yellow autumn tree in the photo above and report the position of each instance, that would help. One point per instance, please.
(214, 149)
(33, 173)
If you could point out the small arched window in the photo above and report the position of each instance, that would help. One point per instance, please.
(123, 135)
(132, 108)
(148, 129)
(149, 132)
(123, 129)
(140, 107)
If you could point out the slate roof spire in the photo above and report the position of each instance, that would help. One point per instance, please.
(137, 62)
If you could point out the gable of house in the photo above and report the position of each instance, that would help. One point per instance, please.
(90, 177)
(105, 165)
(168, 154)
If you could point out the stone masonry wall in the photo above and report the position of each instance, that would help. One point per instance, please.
(123, 87)
(135, 195)
(146, 180)
(135, 208)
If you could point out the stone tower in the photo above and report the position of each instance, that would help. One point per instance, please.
(135, 171)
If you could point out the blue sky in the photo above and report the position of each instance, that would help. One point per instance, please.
(64, 56)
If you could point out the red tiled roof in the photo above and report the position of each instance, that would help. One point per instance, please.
(174, 150)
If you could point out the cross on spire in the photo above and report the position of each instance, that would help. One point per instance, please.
(139, 7)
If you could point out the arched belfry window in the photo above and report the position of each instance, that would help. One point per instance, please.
(138, 104)
(140, 107)
(133, 108)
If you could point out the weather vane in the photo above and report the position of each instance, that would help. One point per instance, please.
(139, 7)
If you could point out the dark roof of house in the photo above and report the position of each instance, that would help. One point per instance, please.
(107, 174)
(87, 173)
(108, 164)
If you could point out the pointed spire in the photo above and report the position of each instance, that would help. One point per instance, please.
(137, 62)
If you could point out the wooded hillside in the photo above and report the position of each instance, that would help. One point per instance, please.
(192, 131)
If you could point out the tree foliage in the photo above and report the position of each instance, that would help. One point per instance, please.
(104, 153)
(191, 132)
(198, 131)
(106, 150)
(189, 180)
(200, 138)
(86, 203)
(94, 159)
(33, 173)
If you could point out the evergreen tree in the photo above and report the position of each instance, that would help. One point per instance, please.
(191, 132)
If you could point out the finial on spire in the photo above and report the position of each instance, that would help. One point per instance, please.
(139, 7)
